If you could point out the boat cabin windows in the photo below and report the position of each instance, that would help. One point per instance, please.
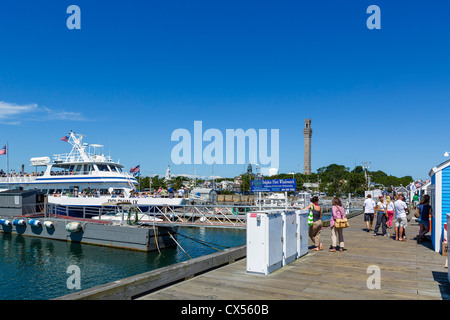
(79, 169)
(118, 193)
(102, 167)
(59, 171)
(88, 168)
(55, 192)
(114, 168)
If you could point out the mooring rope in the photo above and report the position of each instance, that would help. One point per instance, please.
(179, 245)
(155, 236)
(205, 243)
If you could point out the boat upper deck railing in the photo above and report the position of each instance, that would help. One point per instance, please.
(90, 173)
(77, 157)
(23, 179)
(32, 177)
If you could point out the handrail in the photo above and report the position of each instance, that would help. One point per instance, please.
(212, 215)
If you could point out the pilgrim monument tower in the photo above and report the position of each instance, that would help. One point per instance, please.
(307, 133)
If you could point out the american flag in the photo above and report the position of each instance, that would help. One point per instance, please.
(135, 169)
(65, 138)
(3, 150)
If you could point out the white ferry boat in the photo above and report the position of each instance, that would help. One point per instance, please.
(82, 178)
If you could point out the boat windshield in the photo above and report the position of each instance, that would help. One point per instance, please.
(115, 169)
(102, 167)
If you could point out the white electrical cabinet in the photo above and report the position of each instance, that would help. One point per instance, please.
(264, 241)
(289, 236)
(302, 232)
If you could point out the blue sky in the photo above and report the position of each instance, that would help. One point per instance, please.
(138, 70)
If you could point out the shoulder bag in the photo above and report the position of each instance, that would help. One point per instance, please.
(417, 211)
(341, 223)
(310, 217)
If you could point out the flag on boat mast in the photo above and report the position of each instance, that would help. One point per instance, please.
(3, 150)
(65, 138)
(136, 170)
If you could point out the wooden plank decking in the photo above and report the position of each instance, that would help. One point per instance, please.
(407, 271)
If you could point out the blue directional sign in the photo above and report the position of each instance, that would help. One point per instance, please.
(275, 185)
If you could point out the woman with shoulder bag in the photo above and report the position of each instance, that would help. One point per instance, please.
(337, 233)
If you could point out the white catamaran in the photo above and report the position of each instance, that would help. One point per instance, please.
(82, 178)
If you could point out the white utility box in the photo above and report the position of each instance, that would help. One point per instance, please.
(264, 241)
(289, 236)
(302, 232)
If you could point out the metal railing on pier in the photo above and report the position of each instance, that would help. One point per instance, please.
(187, 215)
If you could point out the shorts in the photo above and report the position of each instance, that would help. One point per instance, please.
(401, 222)
(368, 216)
(425, 223)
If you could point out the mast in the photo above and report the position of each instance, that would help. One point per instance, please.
(8, 174)
(78, 150)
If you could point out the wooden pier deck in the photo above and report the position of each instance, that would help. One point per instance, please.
(407, 271)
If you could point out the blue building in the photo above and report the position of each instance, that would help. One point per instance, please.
(440, 202)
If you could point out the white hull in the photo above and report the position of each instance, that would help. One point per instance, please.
(122, 218)
(99, 201)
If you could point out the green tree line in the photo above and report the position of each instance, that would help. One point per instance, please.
(337, 179)
(334, 180)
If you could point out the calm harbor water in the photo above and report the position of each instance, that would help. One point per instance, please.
(36, 269)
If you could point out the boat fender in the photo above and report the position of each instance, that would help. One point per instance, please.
(34, 223)
(19, 222)
(73, 226)
(49, 224)
(5, 222)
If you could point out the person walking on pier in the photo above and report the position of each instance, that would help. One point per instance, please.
(424, 218)
(369, 211)
(390, 211)
(381, 217)
(314, 229)
(337, 212)
(415, 200)
(401, 221)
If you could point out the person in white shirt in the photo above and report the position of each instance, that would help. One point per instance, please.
(401, 221)
(381, 217)
(369, 211)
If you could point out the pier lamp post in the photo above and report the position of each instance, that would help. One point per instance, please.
(366, 166)
(293, 174)
(258, 176)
